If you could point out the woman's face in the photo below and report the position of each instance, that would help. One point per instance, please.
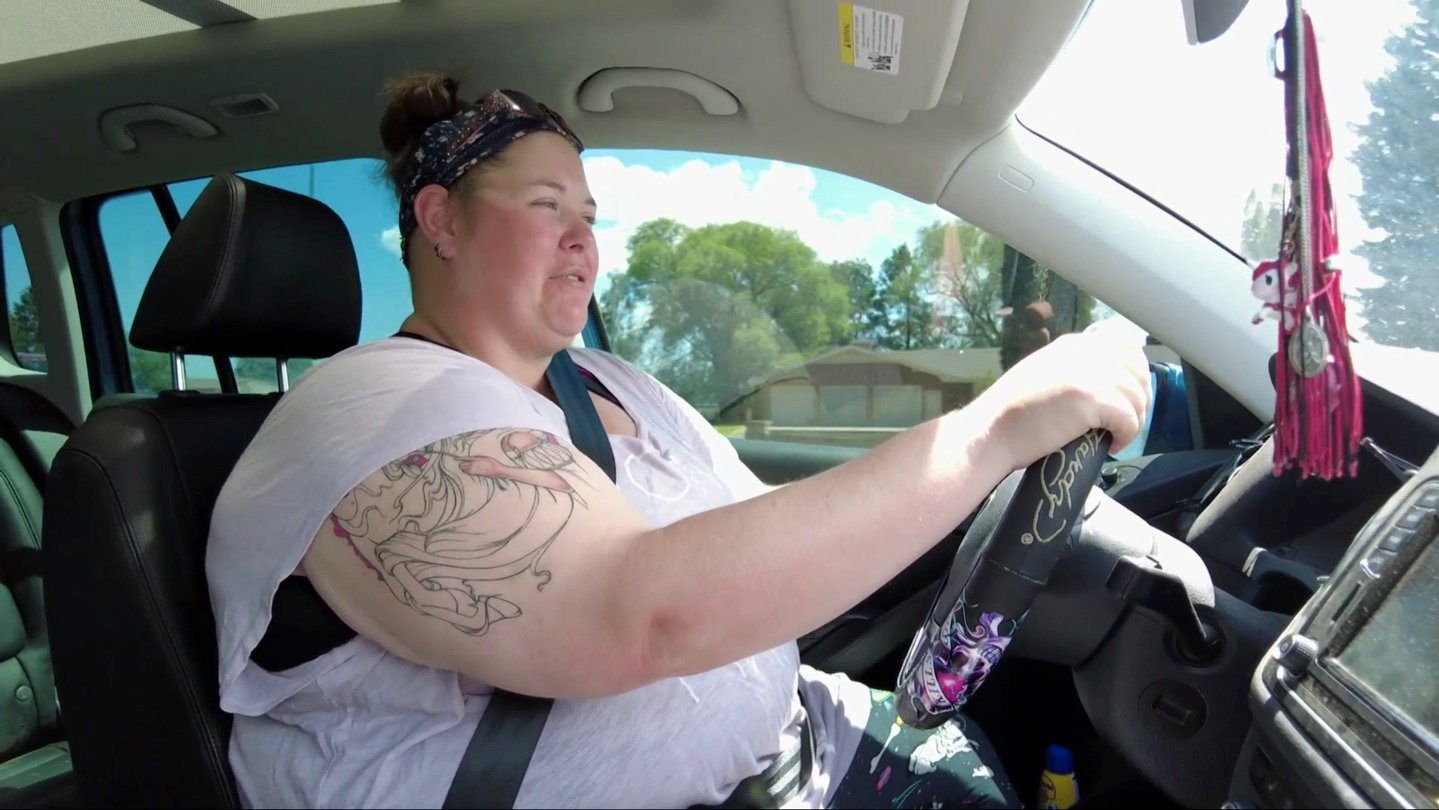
(523, 257)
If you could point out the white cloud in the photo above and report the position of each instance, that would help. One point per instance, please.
(390, 240)
(781, 195)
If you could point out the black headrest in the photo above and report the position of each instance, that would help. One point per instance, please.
(253, 271)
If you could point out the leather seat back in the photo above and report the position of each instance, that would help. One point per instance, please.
(29, 716)
(252, 271)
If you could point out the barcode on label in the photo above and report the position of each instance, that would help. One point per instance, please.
(869, 39)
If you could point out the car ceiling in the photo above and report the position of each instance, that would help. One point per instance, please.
(325, 69)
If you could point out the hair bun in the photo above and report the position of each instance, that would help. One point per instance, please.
(416, 102)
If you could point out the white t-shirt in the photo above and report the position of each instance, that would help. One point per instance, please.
(360, 727)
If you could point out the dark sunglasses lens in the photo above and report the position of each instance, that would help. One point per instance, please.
(529, 106)
(524, 102)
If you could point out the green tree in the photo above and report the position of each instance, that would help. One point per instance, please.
(150, 371)
(25, 325)
(300, 365)
(1026, 323)
(867, 310)
(712, 311)
(1073, 308)
(906, 288)
(259, 372)
(1396, 157)
(1263, 224)
(25, 331)
(966, 266)
(991, 295)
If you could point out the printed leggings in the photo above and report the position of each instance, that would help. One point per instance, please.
(899, 766)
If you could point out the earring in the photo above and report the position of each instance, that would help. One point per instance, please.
(439, 255)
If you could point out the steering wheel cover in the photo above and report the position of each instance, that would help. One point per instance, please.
(1004, 560)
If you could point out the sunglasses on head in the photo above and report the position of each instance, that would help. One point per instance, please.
(523, 103)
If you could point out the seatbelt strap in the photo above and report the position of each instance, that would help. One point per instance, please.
(587, 433)
(499, 753)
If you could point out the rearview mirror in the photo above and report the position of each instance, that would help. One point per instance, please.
(1206, 20)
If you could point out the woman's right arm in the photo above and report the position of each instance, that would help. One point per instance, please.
(508, 556)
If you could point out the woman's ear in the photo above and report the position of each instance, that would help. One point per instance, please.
(434, 211)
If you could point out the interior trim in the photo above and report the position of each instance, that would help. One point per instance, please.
(597, 95)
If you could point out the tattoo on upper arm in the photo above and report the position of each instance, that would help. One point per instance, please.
(451, 527)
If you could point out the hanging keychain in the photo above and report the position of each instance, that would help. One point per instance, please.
(1317, 414)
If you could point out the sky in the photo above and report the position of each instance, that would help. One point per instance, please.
(838, 216)
(1197, 127)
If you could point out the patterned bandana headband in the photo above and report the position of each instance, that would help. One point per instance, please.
(451, 147)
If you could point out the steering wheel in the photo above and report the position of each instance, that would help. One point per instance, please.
(1002, 563)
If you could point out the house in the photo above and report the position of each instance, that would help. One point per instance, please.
(860, 386)
(859, 395)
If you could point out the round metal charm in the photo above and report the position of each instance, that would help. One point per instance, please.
(1308, 349)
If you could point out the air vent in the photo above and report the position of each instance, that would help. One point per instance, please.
(245, 105)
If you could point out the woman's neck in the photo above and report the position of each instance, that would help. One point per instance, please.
(518, 366)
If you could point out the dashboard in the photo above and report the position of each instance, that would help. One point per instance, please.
(1258, 555)
(1346, 703)
(1275, 550)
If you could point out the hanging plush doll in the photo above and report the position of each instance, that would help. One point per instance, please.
(1277, 296)
(1317, 416)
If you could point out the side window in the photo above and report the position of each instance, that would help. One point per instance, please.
(135, 234)
(792, 304)
(20, 304)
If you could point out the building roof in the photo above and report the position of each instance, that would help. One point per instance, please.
(949, 365)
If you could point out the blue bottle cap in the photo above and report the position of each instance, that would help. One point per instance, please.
(1058, 759)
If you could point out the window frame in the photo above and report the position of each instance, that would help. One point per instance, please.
(101, 329)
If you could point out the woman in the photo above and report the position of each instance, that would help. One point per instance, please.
(426, 488)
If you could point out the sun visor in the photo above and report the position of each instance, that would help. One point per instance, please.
(877, 60)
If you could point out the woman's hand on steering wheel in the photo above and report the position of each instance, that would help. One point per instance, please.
(1050, 413)
(1054, 395)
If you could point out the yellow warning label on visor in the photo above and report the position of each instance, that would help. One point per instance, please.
(846, 33)
(869, 39)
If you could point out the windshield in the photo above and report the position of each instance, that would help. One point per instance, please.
(1200, 129)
